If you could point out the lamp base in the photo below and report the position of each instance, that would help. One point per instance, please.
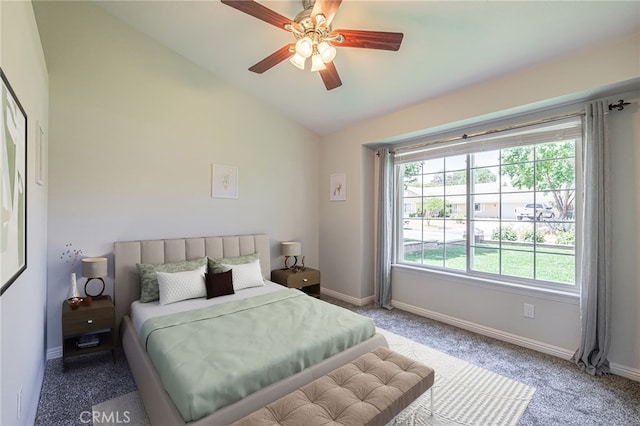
(286, 262)
(94, 295)
(293, 267)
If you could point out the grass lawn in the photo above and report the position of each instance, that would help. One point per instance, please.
(556, 265)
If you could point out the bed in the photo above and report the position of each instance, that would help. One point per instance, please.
(159, 405)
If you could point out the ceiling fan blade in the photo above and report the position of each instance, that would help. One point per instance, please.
(330, 76)
(274, 59)
(327, 7)
(259, 11)
(369, 39)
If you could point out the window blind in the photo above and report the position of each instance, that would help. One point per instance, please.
(559, 130)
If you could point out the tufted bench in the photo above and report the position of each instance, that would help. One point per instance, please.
(370, 390)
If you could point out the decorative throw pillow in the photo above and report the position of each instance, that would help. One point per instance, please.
(245, 275)
(149, 282)
(219, 284)
(216, 262)
(177, 286)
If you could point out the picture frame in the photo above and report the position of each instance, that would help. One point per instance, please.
(40, 154)
(338, 187)
(13, 186)
(224, 181)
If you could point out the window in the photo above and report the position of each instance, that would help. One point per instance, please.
(515, 193)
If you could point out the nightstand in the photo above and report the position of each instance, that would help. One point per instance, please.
(307, 280)
(81, 327)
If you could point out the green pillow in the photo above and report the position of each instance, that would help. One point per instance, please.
(149, 290)
(215, 263)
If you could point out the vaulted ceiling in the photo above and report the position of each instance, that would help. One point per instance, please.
(447, 45)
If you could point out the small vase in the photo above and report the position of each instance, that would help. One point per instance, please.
(73, 290)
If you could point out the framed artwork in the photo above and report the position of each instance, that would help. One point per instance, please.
(40, 154)
(338, 187)
(13, 187)
(224, 181)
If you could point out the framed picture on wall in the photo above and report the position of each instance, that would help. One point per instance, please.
(13, 187)
(338, 187)
(224, 181)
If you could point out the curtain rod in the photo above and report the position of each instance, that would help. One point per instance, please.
(619, 107)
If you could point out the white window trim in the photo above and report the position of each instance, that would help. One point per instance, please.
(497, 281)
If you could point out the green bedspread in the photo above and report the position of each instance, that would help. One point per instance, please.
(215, 356)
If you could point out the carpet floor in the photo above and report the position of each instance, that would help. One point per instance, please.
(564, 394)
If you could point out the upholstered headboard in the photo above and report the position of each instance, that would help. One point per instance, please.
(127, 254)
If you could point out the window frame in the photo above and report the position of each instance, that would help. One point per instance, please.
(439, 152)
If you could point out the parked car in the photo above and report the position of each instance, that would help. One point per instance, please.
(536, 211)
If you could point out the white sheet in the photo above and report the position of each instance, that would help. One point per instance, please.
(140, 312)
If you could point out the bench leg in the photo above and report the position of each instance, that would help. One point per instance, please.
(431, 390)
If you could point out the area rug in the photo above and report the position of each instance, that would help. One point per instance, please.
(126, 409)
(464, 394)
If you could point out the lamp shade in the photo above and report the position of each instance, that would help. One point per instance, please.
(316, 63)
(327, 52)
(304, 47)
(291, 248)
(94, 267)
(298, 61)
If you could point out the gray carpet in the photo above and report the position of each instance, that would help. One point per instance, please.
(564, 395)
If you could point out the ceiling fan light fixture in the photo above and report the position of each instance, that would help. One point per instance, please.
(327, 52)
(316, 63)
(314, 37)
(298, 61)
(304, 47)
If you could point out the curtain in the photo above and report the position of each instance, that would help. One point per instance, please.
(384, 241)
(594, 274)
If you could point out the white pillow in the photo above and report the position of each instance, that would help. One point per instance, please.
(245, 275)
(177, 286)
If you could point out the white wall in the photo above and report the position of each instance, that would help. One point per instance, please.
(134, 131)
(23, 305)
(481, 308)
(625, 205)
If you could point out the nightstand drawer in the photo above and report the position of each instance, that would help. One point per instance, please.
(303, 278)
(297, 279)
(85, 321)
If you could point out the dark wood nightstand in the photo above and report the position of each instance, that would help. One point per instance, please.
(307, 280)
(80, 324)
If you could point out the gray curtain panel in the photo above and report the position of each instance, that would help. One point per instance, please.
(594, 274)
(385, 229)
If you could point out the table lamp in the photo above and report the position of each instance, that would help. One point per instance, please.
(291, 249)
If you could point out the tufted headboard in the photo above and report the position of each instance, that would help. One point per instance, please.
(126, 254)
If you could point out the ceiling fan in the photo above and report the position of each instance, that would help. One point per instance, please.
(314, 37)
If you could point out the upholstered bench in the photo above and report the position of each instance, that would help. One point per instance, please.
(370, 390)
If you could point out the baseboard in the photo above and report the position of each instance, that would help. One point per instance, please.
(487, 331)
(54, 353)
(617, 369)
(345, 298)
(624, 371)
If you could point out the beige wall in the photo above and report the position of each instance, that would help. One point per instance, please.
(23, 305)
(134, 131)
(346, 263)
